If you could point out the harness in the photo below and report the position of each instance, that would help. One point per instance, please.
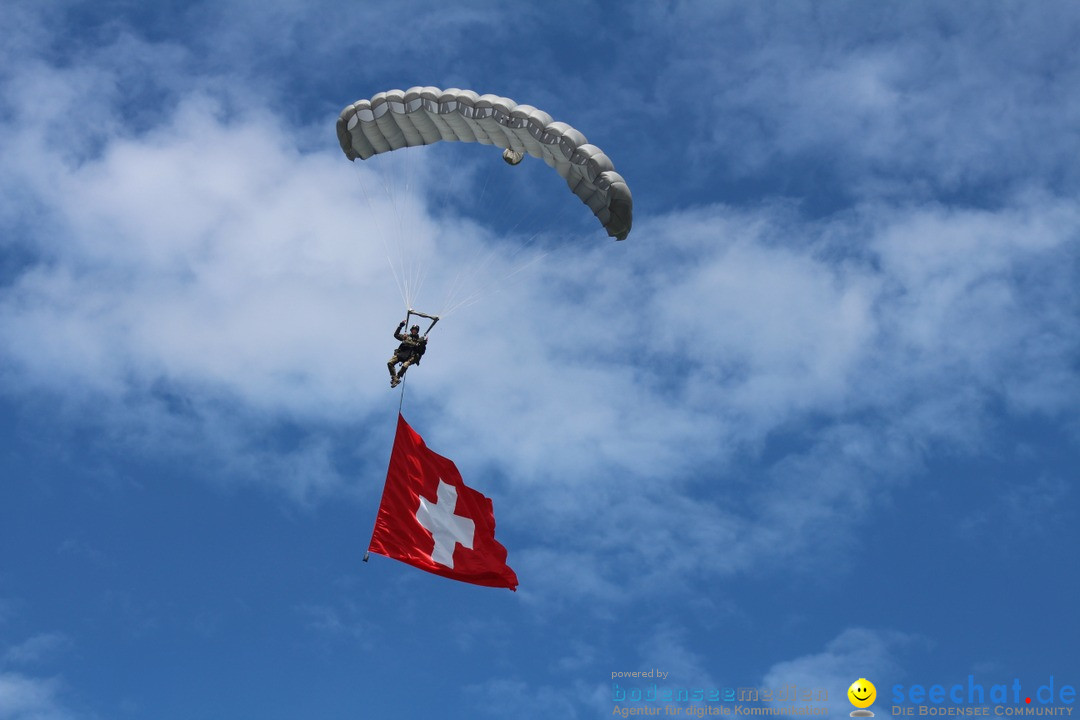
(412, 348)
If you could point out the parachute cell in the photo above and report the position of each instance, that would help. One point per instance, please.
(423, 115)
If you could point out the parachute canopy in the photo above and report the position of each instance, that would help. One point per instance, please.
(423, 115)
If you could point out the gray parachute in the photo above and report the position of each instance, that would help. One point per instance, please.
(423, 115)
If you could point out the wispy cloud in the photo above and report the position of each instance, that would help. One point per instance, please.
(37, 649)
(29, 698)
(905, 100)
(206, 285)
(853, 654)
(854, 259)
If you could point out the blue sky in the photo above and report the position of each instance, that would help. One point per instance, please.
(817, 419)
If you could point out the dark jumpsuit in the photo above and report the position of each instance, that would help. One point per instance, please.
(408, 353)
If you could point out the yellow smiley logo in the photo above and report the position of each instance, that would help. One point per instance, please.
(862, 693)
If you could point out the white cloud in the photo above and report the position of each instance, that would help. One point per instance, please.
(905, 99)
(203, 284)
(36, 649)
(855, 653)
(28, 698)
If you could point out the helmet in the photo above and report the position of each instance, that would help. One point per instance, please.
(414, 327)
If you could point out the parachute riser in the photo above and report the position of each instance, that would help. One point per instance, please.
(433, 318)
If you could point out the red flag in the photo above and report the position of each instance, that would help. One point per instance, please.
(430, 519)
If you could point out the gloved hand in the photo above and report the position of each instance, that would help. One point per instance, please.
(401, 325)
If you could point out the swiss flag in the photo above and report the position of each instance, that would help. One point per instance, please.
(430, 519)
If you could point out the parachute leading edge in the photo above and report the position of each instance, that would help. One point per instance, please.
(423, 115)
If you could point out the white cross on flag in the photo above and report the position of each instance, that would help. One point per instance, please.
(430, 519)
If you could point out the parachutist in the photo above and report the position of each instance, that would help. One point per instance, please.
(408, 353)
